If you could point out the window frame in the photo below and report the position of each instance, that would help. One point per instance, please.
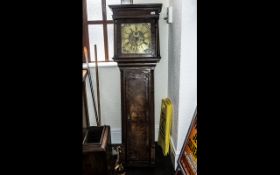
(104, 22)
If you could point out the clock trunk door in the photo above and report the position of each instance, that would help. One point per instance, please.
(138, 118)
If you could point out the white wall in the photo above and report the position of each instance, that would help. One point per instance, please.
(174, 64)
(182, 69)
(109, 82)
(188, 78)
(110, 97)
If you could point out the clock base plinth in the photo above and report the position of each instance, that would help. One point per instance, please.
(130, 163)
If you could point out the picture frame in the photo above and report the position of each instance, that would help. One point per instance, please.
(187, 161)
(126, 1)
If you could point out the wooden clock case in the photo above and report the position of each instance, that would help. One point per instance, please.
(137, 84)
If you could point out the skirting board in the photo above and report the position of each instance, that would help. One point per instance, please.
(116, 135)
(174, 155)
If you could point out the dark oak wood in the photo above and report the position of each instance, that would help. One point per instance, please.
(97, 151)
(137, 84)
(136, 13)
(100, 22)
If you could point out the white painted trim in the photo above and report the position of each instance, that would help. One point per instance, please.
(156, 132)
(101, 64)
(116, 135)
(174, 154)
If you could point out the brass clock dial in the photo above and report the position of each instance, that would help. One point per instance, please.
(136, 38)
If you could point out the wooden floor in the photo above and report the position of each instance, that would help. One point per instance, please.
(163, 166)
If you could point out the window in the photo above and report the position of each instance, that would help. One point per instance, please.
(98, 28)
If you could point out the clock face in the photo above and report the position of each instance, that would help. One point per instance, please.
(136, 38)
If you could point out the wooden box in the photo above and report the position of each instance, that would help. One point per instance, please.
(97, 151)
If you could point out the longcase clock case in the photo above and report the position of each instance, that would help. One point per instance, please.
(136, 50)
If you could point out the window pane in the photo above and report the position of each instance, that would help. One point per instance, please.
(95, 33)
(110, 28)
(94, 10)
(108, 10)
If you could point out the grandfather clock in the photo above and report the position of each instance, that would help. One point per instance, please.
(136, 50)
